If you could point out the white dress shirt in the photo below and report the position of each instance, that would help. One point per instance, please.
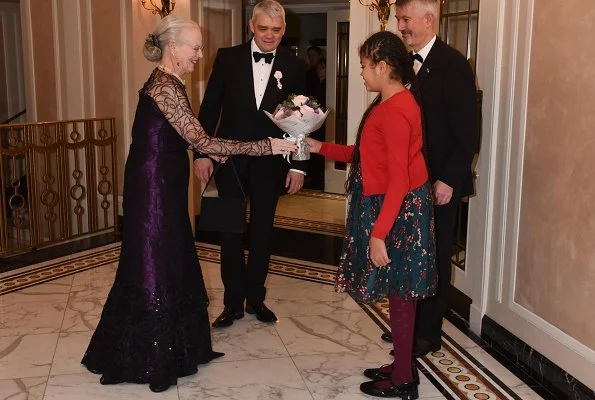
(423, 53)
(261, 72)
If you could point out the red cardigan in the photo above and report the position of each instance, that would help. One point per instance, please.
(390, 153)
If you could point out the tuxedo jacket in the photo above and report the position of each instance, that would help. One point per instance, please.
(230, 98)
(448, 93)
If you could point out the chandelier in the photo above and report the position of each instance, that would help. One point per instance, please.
(167, 6)
(383, 9)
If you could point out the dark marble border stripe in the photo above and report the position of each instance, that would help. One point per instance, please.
(533, 367)
(434, 381)
(53, 265)
(52, 277)
(49, 253)
(476, 364)
(445, 380)
(302, 278)
(469, 366)
(320, 195)
(483, 369)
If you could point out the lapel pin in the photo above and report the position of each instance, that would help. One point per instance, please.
(278, 75)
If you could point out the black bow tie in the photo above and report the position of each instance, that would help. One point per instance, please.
(417, 57)
(268, 57)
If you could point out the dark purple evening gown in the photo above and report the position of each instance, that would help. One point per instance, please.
(154, 325)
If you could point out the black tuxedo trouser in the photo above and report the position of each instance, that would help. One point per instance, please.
(261, 178)
(428, 323)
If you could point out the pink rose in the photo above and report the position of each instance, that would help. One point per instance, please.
(299, 100)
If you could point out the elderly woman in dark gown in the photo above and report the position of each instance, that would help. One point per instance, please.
(154, 327)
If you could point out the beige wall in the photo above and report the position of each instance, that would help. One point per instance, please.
(43, 56)
(107, 54)
(556, 259)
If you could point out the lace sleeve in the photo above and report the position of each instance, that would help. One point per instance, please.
(170, 96)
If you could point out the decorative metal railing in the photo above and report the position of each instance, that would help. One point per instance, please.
(59, 182)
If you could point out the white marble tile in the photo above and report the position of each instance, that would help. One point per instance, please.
(342, 332)
(303, 298)
(211, 273)
(280, 281)
(100, 277)
(248, 339)
(84, 308)
(215, 303)
(55, 290)
(526, 393)
(463, 340)
(87, 387)
(268, 379)
(26, 356)
(298, 298)
(23, 388)
(69, 353)
(489, 363)
(338, 376)
(18, 317)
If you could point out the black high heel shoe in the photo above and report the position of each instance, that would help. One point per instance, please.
(157, 386)
(107, 379)
(406, 391)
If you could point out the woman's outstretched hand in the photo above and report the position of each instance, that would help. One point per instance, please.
(313, 144)
(282, 146)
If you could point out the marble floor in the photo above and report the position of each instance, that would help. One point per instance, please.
(317, 350)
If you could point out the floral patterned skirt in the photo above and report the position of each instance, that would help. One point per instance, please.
(410, 245)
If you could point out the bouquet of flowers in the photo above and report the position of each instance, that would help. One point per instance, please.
(298, 116)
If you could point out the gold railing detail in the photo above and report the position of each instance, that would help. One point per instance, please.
(59, 182)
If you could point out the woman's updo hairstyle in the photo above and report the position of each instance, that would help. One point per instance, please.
(167, 30)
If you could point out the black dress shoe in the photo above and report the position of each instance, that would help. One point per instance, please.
(227, 317)
(262, 312)
(423, 347)
(387, 337)
(406, 391)
(158, 386)
(377, 374)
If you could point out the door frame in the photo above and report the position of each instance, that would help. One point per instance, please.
(334, 179)
(475, 279)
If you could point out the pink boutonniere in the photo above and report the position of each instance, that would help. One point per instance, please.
(278, 75)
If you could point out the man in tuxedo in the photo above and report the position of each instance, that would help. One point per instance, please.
(448, 93)
(246, 80)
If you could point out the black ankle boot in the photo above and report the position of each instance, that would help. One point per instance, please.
(406, 391)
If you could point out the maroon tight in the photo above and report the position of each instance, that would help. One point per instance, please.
(402, 322)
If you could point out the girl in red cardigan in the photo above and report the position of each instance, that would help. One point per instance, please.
(389, 248)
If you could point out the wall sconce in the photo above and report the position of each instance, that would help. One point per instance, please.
(167, 6)
(383, 9)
